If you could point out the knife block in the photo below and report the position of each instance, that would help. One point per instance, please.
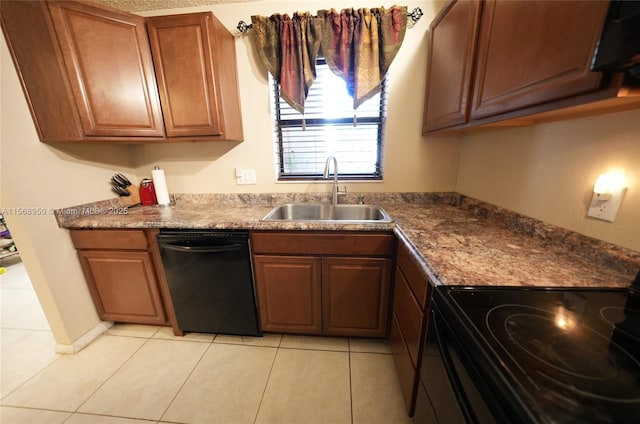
(133, 199)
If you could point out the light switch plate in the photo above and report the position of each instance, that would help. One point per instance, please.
(606, 210)
(245, 176)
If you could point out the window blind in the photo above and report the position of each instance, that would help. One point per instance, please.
(329, 127)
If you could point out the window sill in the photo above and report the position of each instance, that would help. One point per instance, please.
(330, 181)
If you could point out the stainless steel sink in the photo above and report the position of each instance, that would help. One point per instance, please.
(322, 212)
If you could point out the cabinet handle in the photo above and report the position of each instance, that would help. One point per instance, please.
(202, 249)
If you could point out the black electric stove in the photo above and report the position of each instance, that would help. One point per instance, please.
(545, 355)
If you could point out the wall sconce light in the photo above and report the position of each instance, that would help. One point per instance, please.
(607, 196)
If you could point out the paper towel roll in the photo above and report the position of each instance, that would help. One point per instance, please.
(160, 185)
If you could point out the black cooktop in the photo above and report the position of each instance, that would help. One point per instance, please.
(572, 355)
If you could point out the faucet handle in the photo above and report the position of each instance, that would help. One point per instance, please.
(339, 193)
(361, 200)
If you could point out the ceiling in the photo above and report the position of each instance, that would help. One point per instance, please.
(141, 5)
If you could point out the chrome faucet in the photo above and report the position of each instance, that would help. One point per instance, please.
(335, 190)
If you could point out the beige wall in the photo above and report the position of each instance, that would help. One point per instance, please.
(411, 163)
(36, 175)
(548, 171)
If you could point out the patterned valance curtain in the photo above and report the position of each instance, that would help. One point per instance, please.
(359, 45)
(288, 48)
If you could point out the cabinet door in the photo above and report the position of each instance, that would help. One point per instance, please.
(182, 55)
(124, 286)
(43, 78)
(407, 374)
(452, 44)
(355, 296)
(108, 61)
(531, 52)
(289, 293)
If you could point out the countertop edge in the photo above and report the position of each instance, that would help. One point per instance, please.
(249, 208)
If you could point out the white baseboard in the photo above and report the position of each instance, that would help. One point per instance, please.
(85, 339)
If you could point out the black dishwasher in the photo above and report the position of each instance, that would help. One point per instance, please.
(210, 280)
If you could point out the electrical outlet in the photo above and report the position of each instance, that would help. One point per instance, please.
(250, 176)
(605, 207)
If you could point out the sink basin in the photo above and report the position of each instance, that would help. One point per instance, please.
(322, 212)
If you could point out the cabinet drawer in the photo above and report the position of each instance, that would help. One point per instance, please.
(409, 315)
(414, 276)
(109, 239)
(407, 375)
(323, 243)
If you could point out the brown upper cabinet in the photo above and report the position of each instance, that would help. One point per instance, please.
(449, 70)
(193, 54)
(93, 77)
(533, 52)
(107, 59)
(502, 63)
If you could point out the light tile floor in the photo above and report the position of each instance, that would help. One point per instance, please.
(141, 374)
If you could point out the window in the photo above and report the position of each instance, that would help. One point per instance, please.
(329, 127)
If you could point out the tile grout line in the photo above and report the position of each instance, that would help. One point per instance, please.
(17, 313)
(188, 377)
(85, 401)
(31, 290)
(278, 346)
(26, 329)
(113, 373)
(268, 378)
(109, 416)
(350, 381)
(316, 349)
(31, 408)
(59, 355)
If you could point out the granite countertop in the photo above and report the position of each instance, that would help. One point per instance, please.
(201, 211)
(455, 246)
(455, 240)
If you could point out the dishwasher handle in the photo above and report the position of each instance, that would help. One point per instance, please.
(202, 249)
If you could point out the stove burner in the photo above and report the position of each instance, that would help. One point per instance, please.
(623, 320)
(541, 338)
(623, 398)
(564, 355)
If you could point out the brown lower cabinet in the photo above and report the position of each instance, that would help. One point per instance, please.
(405, 368)
(411, 304)
(121, 274)
(289, 292)
(339, 287)
(355, 296)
